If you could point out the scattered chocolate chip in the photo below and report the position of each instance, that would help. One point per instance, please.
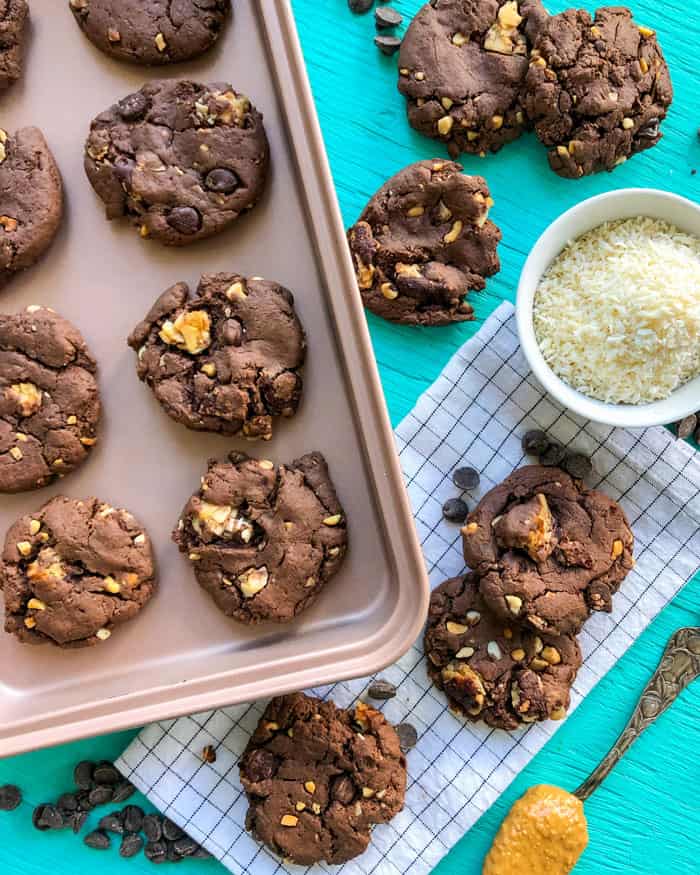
(209, 754)
(408, 737)
(105, 773)
(155, 851)
(68, 803)
(132, 818)
(124, 169)
(578, 465)
(693, 172)
(360, 6)
(387, 45)
(82, 775)
(153, 827)
(171, 855)
(686, 427)
(84, 801)
(382, 690)
(185, 220)
(132, 107)
(455, 510)
(97, 840)
(466, 478)
(77, 821)
(185, 846)
(553, 455)
(535, 442)
(130, 846)
(171, 831)
(112, 823)
(47, 816)
(10, 797)
(100, 795)
(650, 129)
(387, 16)
(221, 180)
(37, 818)
(123, 791)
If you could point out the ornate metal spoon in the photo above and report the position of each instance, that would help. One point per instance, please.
(679, 666)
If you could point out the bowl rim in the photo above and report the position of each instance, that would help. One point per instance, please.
(661, 412)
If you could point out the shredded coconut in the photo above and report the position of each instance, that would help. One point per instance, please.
(617, 313)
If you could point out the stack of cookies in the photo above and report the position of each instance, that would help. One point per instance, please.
(545, 553)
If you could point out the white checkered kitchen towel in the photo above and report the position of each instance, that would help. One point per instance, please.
(475, 413)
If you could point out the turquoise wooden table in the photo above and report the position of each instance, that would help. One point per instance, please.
(646, 818)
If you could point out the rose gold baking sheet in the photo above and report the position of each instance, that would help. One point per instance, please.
(181, 655)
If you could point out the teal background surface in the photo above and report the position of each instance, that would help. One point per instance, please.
(646, 818)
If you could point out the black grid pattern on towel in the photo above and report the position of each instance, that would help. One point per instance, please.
(475, 414)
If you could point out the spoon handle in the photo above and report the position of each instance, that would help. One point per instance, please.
(679, 666)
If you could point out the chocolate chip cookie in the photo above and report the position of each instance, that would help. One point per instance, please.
(597, 90)
(318, 778)
(49, 399)
(422, 242)
(506, 675)
(263, 539)
(156, 32)
(73, 571)
(227, 359)
(14, 15)
(548, 550)
(32, 200)
(181, 160)
(462, 67)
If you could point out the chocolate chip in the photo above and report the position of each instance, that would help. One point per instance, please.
(124, 169)
(260, 766)
(535, 442)
(153, 827)
(578, 465)
(97, 840)
(10, 797)
(100, 795)
(82, 775)
(686, 427)
(105, 773)
(466, 478)
(155, 851)
(455, 510)
(408, 737)
(132, 107)
(47, 816)
(343, 790)
(360, 6)
(171, 854)
(68, 803)
(553, 455)
(123, 791)
(650, 129)
(130, 846)
(387, 45)
(185, 220)
(112, 823)
(221, 181)
(84, 801)
(171, 831)
(77, 821)
(132, 817)
(381, 690)
(232, 332)
(38, 818)
(185, 846)
(387, 16)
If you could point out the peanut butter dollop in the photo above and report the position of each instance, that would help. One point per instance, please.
(544, 833)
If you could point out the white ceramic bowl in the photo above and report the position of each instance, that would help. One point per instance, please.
(622, 204)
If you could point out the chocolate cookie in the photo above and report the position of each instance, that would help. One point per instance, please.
(422, 242)
(13, 28)
(318, 778)
(49, 400)
(506, 675)
(596, 90)
(227, 359)
(156, 32)
(549, 551)
(180, 159)
(73, 571)
(462, 67)
(264, 540)
(32, 200)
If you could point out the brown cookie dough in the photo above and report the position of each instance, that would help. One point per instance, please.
(264, 540)
(548, 550)
(506, 675)
(318, 778)
(31, 206)
(227, 359)
(14, 15)
(73, 571)
(422, 242)
(462, 66)
(153, 32)
(49, 399)
(181, 160)
(596, 90)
